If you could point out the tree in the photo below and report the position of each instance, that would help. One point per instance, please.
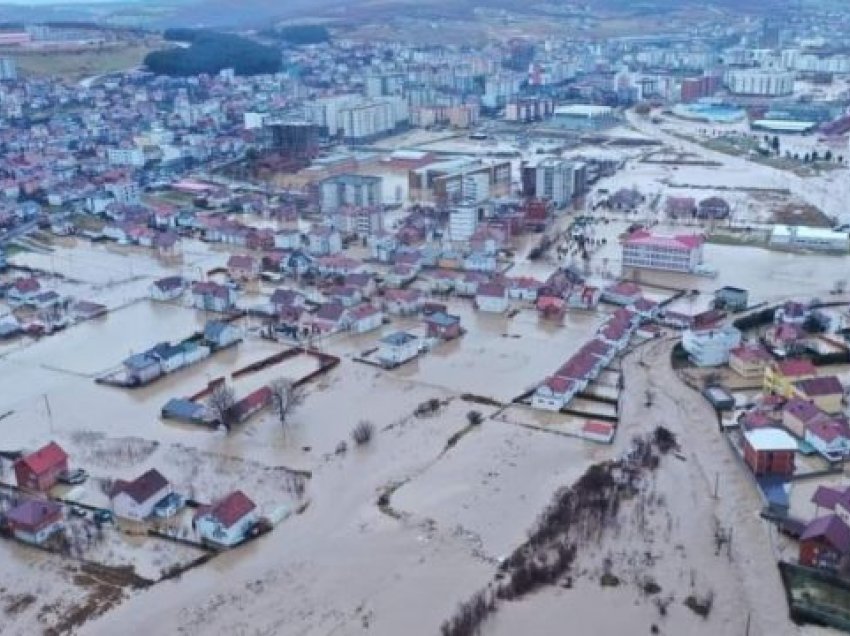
(221, 401)
(286, 397)
(828, 155)
(775, 144)
(362, 433)
(474, 418)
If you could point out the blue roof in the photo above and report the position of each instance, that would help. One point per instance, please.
(443, 319)
(775, 490)
(181, 407)
(139, 361)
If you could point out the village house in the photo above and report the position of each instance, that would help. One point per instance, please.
(469, 282)
(210, 296)
(288, 240)
(825, 392)
(785, 337)
(749, 360)
(228, 521)
(383, 247)
(830, 437)
(491, 297)
(792, 313)
(399, 275)
(442, 325)
(769, 451)
(479, 262)
(365, 317)
(141, 368)
(780, 375)
(337, 265)
(442, 281)
(41, 470)
(554, 394)
(832, 500)
(323, 241)
(87, 310)
(168, 288)
(219, 334)
(23, 291)
(825, 543)
(397, 348)
(623, 293)
(34, 521)
(363, 282)
(710, 347)
(584, 297)
(681, 207)
(551, 309)
(330, 318)
(645, 308)
(402, 302)
(523, 288)
(798, 414)
(282, 298)
(137, 499)
(598, 431)
(243, 267)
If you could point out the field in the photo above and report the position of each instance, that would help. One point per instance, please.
(76, 65)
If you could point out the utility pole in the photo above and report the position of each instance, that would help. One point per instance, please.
(49, 412)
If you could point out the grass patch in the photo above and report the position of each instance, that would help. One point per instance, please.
(73, 65)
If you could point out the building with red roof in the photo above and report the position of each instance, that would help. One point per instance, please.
(826, 392)
(749, 360)
(41, 470)
(645, 250)
(779, 376)
(825, 543)
(228, 521)
(34, 520)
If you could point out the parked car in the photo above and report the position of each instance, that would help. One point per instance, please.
(169, 506)
(73, 477)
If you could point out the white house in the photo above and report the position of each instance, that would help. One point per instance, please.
(554, 394)
(397, 348)
(136, 499)
(220, 334)
(228, 521)
(169, 288)
(710, 347)
(492, 297)
(365, 318)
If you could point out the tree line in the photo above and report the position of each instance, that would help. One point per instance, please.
(209, 52)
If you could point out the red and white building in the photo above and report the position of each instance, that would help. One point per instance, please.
(41, 470)
(646, 250)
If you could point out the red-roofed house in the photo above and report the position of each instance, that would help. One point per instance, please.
(365, 318)
(779, 376)
(228, 521)
(34, 521)
(40, 470)
(136, 499)
(243, 267)
(598, 431)
(830, 437)
(826, 392)
(825, 543)
(554, 394)
(749, 360)
(645, 250)
(623, 293)
(491, 297)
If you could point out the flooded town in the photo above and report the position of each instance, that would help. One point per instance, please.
(515, 320)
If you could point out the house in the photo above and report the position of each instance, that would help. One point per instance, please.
(363, 282)
(623, 293)
(34, 521)
(731, 298)
(491, 297)
(551, 309)
(480, 262)
(584, 297)
(136, 499)
(210, 296)
(554, 394)
(830, 437)
(792, 313)
(87, 310)
(243, 267)
(825, 392)
(331, 317)
(710, 347)
(23, 291)
(798, 414)
(142, 368)
(749, 360)
(397, 348)
(681, 207)
(365, 317)
(524, 288)
(769, 451)
(228, 521)
(168, 288)
(220, 334)
(442, 325)
(616, 332)
(645, 308)
(282, 298)
(252, 403)
(780, 375)
(713, 208)
(645, 250)
(825, 543)
(785, 337)
(288, 240)
(323, 241)
(402, 302)
(41, 470)
(598, 431)
(400, 275)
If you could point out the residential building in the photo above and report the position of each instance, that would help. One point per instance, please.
(137, 499)
(169, 288)
(228, 521)
(34, 521)
(462, 223)
(769, 451)
(749, 360)
(644, 250)
(491, 297)
(442, 325)
(8, 69)
(759, 82)
(211, 296)
(779, 376)
(349, 189)
(825, 543)
(710, 347)
(826, 392)
(41, 470)
(219, 334)
(554, 394)
(365, 317)
(810, 238)
(554, 181)
(397, 348)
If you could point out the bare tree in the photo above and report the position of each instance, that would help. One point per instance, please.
(362, 433)
(286, 397)
(221, 401)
